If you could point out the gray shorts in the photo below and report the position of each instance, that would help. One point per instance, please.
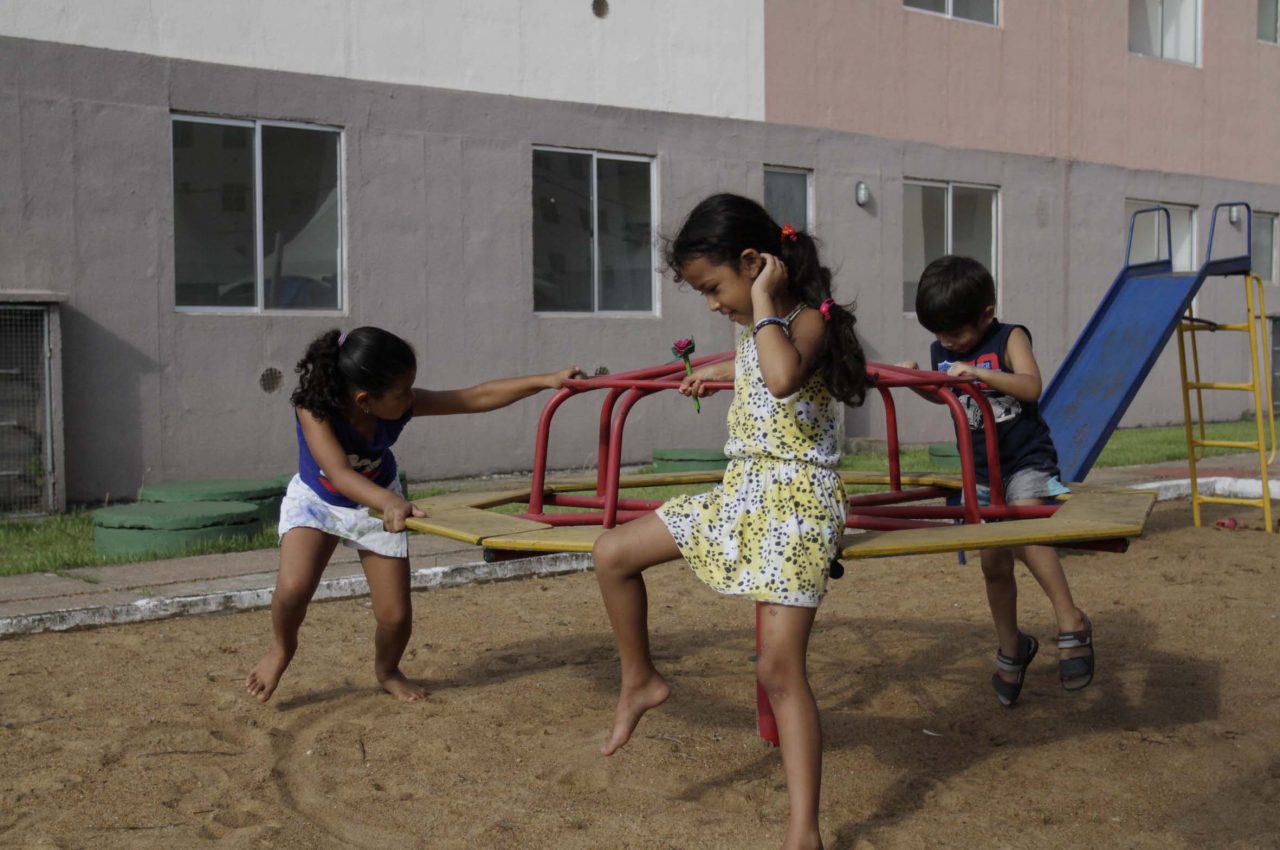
(1026, 484)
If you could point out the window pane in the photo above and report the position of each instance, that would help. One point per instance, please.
(1148, 233)
(213, 215)
(927, 5)
(924, 235)
(1181, 224)
(299, 218)
(562, 278)
(973, 225)
(1263, 248)
(1144, 26)
(786, 197)
(625, 235)
(1180, 21)
(1267, 14)
(975, 10)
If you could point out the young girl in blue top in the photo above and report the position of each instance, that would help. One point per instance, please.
(355, 394)
(770, 530)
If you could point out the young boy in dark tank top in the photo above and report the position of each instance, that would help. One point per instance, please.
(956, 302)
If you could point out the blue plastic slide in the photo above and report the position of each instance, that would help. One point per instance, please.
(1114, 354)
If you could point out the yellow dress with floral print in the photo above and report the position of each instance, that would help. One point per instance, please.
(770, 530)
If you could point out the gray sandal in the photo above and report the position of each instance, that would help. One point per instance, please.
(1007, 692)
(1077, 673)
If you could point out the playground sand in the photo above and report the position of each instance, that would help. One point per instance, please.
(141, 736)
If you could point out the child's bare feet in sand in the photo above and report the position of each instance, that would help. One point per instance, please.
(262, 679)
(401, 688)
(632, 704)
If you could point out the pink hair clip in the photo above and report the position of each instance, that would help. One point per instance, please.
(342, 338)
(825, 309)
(788, 233)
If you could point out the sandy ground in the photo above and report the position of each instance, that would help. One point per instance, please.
(142, 736)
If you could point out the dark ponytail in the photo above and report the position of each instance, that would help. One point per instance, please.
(723, 226)
(336, 365)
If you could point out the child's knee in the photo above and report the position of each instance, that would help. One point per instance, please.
(781, 677)
(606, 553)
(292, 594)
(997, 565)
(393, 617)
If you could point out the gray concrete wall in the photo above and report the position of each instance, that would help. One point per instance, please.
(438, 249)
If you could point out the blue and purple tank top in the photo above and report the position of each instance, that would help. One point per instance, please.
(371, 458)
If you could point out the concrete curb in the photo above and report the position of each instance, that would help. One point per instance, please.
(160, 607)
(1237, 488)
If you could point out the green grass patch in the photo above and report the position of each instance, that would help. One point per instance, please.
(65, 541)
(1135, 446)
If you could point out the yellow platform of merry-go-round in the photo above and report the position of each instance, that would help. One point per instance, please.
(1089, 515)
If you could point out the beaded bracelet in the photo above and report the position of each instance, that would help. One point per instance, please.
(771, 320)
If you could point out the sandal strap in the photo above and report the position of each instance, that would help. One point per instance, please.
(1074, 640)
(1077, 639)
(1028, 646)
(1009, 665)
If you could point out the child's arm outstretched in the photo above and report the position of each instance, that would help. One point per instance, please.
(332, 460)
(490, 395)
(1023, 383)
(786, 362)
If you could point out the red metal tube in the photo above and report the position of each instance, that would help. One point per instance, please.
(891, 439)
(895, 497)
(539, 484)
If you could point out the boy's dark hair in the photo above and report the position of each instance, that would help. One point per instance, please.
(954, 292)
(723, 226)
(368, 359)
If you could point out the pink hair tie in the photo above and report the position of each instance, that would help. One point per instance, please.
(342, 338)
(825, 309)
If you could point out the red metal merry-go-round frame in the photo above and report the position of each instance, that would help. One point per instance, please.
(890, 510)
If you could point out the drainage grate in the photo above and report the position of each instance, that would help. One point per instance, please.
(26, 460)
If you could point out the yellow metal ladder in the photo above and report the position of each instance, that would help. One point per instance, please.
(1259, 385)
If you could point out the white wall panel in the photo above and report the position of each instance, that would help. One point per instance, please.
(704, 57)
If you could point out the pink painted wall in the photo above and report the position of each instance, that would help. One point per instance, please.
(1054, 79)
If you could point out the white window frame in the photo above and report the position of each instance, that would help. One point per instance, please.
(260, 288)
(947, 13)
(1275, 37)
(1199, 49)
(810, 207)
(655, 278)
(996, 227)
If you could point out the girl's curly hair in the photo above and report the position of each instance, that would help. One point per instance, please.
(335, 365)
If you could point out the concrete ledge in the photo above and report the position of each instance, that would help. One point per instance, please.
(341, 587)
(1237, 488)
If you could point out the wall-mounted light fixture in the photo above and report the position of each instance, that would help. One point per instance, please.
(1233, 215)
(862, 194)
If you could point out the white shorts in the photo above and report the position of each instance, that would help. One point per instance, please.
(302, 508)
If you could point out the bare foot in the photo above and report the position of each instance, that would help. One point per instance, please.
(262, 679)
(807, 839)
(632, 704)
(401, 688)
(802, 841)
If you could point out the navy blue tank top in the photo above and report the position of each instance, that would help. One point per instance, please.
(371, 458)
(1024, 439)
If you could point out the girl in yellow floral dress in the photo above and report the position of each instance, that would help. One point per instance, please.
(770, 530)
